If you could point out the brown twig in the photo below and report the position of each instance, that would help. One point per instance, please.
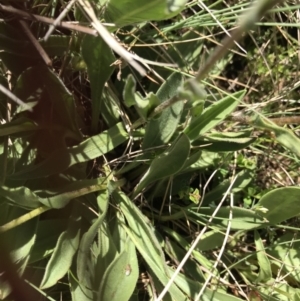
(280, 121)
(67, 25)
(35, 43)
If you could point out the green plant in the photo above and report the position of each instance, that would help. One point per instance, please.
(97, 182)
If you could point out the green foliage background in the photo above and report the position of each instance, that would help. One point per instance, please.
(116, 186)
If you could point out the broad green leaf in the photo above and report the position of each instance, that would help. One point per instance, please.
(265, 272)
(120, 278)
(99, 59)
(117, 12)
(284, 136)
(143, 105)
(87, 150)
(47, 235)
(139, 225)
(160, 130)
(186, 54)
(142, 235)
(87, 239)
(77, 292)
(104, 253)
(200, 160)
(170, 87)
(281, 203)
(196, 94)
(213, 115)
(167, 164)
(110, 111)
(62, 257)
(210, 240)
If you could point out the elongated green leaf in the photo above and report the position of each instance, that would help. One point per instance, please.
(21, 196)
(24, 197)
(167, 164)
(213, 115)
(138, 224)
(145, 241)
(242, 219)
(227, 142)
(18, 243)
(78, 293)
(170, 87)
(177, 253)
(210, 240)
(117, 12)
(23, 219)
(160, 130)
(284, 136)
(282, 204)
(17, 126)
(265, 272)
(87, 240)
(119, 279)
(62, 257)
(61, 200)
(105, 252)
(48, 232)
(99, 59)
(200, 161)
(186, 246)
(89, 149)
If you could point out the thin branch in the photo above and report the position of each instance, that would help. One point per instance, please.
(35, 43)
(59, 19)
(247, 22)
(67, 25)
(14, 98)
(109, 39)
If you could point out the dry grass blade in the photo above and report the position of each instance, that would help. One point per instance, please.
(59, 19)
(247, 21)
(14, 98)
(109, 39)
(36, 44)
(195, 243)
